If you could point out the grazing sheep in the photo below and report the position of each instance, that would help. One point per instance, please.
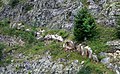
(88, 51)
(68, 45)
(54, 37)
(80, 49)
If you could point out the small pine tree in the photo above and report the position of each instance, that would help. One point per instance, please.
(84, 25)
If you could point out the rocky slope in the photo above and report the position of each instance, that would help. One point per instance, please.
(59, 13)
(55, 14)
(41, 65)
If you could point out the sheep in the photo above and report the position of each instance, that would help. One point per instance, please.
(68, 45)
(88, 51)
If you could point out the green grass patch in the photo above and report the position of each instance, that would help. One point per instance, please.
(39, 47)
(98, 44)
(94, 68)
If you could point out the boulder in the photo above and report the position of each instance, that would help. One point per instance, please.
(27, 30)
(82, 62)
(103, 54)
(105, 60)
(115, 44)
(90, 1)
(21, 42)
(94, 9)
(11, 41)
(95, 58)
(20, 26)
(111, 66)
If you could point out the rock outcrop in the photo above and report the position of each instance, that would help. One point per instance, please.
(51, 13)
(42, 65)
(111, 60)
(114, 44)
(60, 13)
(11, 41)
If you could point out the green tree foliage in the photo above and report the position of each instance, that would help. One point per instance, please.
(84, 25)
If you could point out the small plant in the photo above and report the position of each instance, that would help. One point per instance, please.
(28, 7)
(4, 23)
(29, 72)
(85, 70)
(1, 3)
(84, 25)
(2, 46)
(13, 3)
(118, 27)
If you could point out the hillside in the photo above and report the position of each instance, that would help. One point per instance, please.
(38, 37)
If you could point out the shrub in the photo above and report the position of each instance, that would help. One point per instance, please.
(28, 37)
(28, 7)
(84, 25)
(1, 3)
(13, 3)
(2, 46)
(4, 23)
(85, 70)
(118, 27)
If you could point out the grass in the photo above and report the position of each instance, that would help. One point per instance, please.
(105, 34)
(40, 47)
(94, 68)
(28, 37)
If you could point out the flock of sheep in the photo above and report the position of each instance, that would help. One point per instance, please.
(83, 50)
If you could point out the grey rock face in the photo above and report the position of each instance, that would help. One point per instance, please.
(105, 60)
(11, 41)
(102, 54)
(60, 13)
(111, 60)
(105, 11)
(43, 65)
(51, 13)
(114, 44)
